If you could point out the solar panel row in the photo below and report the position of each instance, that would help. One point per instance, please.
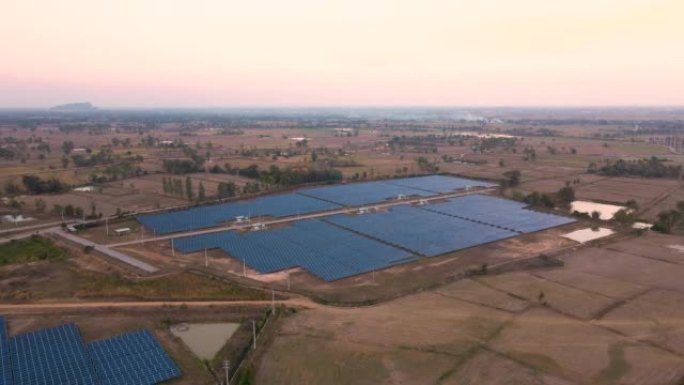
(499, 212)
(305, 201)
(132, 359)
(214, 215)
(57, 356)
(421, 231)
(5, 366)
(51, 356)
(358, 194)
(439, 183)
(322, 249)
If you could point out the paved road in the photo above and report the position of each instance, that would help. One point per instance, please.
(39, 226)
(106, 250)
(298, 217)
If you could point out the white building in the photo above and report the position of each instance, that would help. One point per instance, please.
(122, 231)
(15, 219)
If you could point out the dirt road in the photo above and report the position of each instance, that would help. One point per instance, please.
(300, 302)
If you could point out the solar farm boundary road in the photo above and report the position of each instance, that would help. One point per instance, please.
(38, 226)
(106, 250)
(295, 300)
(345, 210)
(302, 302)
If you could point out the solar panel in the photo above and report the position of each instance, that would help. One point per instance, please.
(54, 356)
(439, 183)
(324, 250)
(358, 194)
(305, 201)
(5, 365)
(499, 212)
(135, 358)
(423, 232)
(278, 206)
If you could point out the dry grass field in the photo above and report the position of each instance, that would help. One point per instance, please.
(606, 317)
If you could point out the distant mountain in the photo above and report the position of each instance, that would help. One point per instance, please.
(74, 107)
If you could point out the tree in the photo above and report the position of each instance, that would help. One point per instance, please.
(595, 215)
(67, 147)
(632, 204)
(566, 194)
(12, 188)
(226, 189)
(200, 192)
(539, 200)
(314, 156)
(512, 178)
(65, 162)
(178, 187)
(40, 205)
(624, 218)
(680, 206)
(188, 188)
(668, 221)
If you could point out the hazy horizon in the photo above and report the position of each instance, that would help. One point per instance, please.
(347, 54)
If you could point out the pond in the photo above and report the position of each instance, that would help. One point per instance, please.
(204, 340)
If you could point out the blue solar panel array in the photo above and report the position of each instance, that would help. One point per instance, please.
(214, 215)
(5, 366)
(132, 359)
(421, 231)
(57, 356)
(305, 201)
(358, 194)
(499, 212)
(52, 356)
(340, 246)
(440, 184)
(324, 250)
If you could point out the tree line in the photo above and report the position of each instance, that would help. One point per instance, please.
(648, 167)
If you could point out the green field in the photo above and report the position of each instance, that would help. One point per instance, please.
(28, 250)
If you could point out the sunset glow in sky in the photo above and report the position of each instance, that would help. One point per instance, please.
(210, 53)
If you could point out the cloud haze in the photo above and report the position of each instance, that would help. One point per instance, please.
(341, 52)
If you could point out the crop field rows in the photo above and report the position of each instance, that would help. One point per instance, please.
(605, 317)
(341, 246)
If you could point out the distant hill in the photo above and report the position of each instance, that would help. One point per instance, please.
(74, 107)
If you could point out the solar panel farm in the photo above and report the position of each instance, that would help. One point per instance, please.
(337, 246)
(341, 248)
(58, 355)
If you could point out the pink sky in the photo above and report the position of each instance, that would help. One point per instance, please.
(164, 53)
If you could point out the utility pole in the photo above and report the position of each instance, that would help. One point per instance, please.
(107, 225)
(206, 259)
(226, 367)
(244, 268)
(272, 302)
(173, 250)
(254, 334)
